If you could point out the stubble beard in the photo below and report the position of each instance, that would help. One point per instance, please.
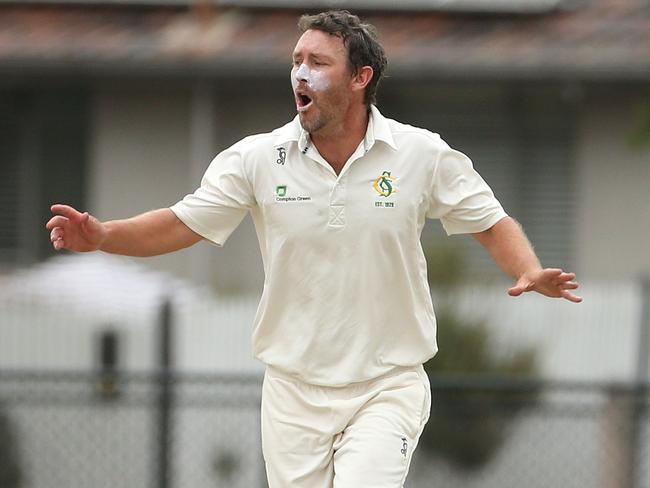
(314, 125)
(327, 114)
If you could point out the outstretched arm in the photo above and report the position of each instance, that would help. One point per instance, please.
(150, 234)
(512, 251)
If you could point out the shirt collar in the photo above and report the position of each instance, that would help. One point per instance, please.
(289, 132)
(378, 130)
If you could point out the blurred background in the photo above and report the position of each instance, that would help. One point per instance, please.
(124, 372)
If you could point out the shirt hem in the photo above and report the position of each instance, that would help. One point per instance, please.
(195, 226)
(482, 225)
(276, 372)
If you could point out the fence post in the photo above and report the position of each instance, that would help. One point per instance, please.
(641, 386)
(162, 475)
(643, 361)
(618, 432)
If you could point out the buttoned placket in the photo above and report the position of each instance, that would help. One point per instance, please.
(336, 218)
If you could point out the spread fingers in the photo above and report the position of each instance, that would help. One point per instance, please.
(56, 221)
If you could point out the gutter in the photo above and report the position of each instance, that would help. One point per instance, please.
(461, 6)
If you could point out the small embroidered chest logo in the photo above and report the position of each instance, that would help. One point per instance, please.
(385, 184)
(282, 155)
(282, 196)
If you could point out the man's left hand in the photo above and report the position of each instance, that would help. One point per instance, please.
(552, 282)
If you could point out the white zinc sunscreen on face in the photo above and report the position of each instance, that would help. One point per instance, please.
(316, 80)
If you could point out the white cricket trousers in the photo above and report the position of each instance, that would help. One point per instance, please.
(357, 436)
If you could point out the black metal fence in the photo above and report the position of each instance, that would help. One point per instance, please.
(499, 432)
(166, 430)
(75, 430)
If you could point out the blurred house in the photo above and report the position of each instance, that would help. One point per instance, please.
(118, 107)
(90, 327)
(57, 316)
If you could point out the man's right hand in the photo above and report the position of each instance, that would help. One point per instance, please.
(149, 234)
(75, 231)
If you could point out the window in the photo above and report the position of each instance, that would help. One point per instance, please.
(43, 140)
(520, 139)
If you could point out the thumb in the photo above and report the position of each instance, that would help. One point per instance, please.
(83, 220)
(88, 223)
(516, 290)
(523, 285)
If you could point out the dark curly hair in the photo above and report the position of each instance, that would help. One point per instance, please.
(360, 39)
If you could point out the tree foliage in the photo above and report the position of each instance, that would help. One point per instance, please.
(639, 137)
(467, 427)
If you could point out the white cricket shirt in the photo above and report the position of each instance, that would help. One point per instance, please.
(345, 296)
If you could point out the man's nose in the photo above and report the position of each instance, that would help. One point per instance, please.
(302, 73)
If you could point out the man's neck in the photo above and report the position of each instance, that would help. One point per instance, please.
(339, 143)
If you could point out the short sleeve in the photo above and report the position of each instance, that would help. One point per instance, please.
(218, 206)
(459, 197)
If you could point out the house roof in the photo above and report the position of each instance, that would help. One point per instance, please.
(53, 310)
(99, 286)
(594, 39)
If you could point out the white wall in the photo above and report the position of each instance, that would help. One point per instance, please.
(142, 147)
(613, 215)
(141, 154)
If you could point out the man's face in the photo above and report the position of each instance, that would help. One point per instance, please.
(321, 79)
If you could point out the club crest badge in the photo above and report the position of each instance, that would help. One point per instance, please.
(385, 184)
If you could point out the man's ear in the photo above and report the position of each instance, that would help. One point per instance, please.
(361, 79)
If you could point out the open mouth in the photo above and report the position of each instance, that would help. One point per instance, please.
(303, 102)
